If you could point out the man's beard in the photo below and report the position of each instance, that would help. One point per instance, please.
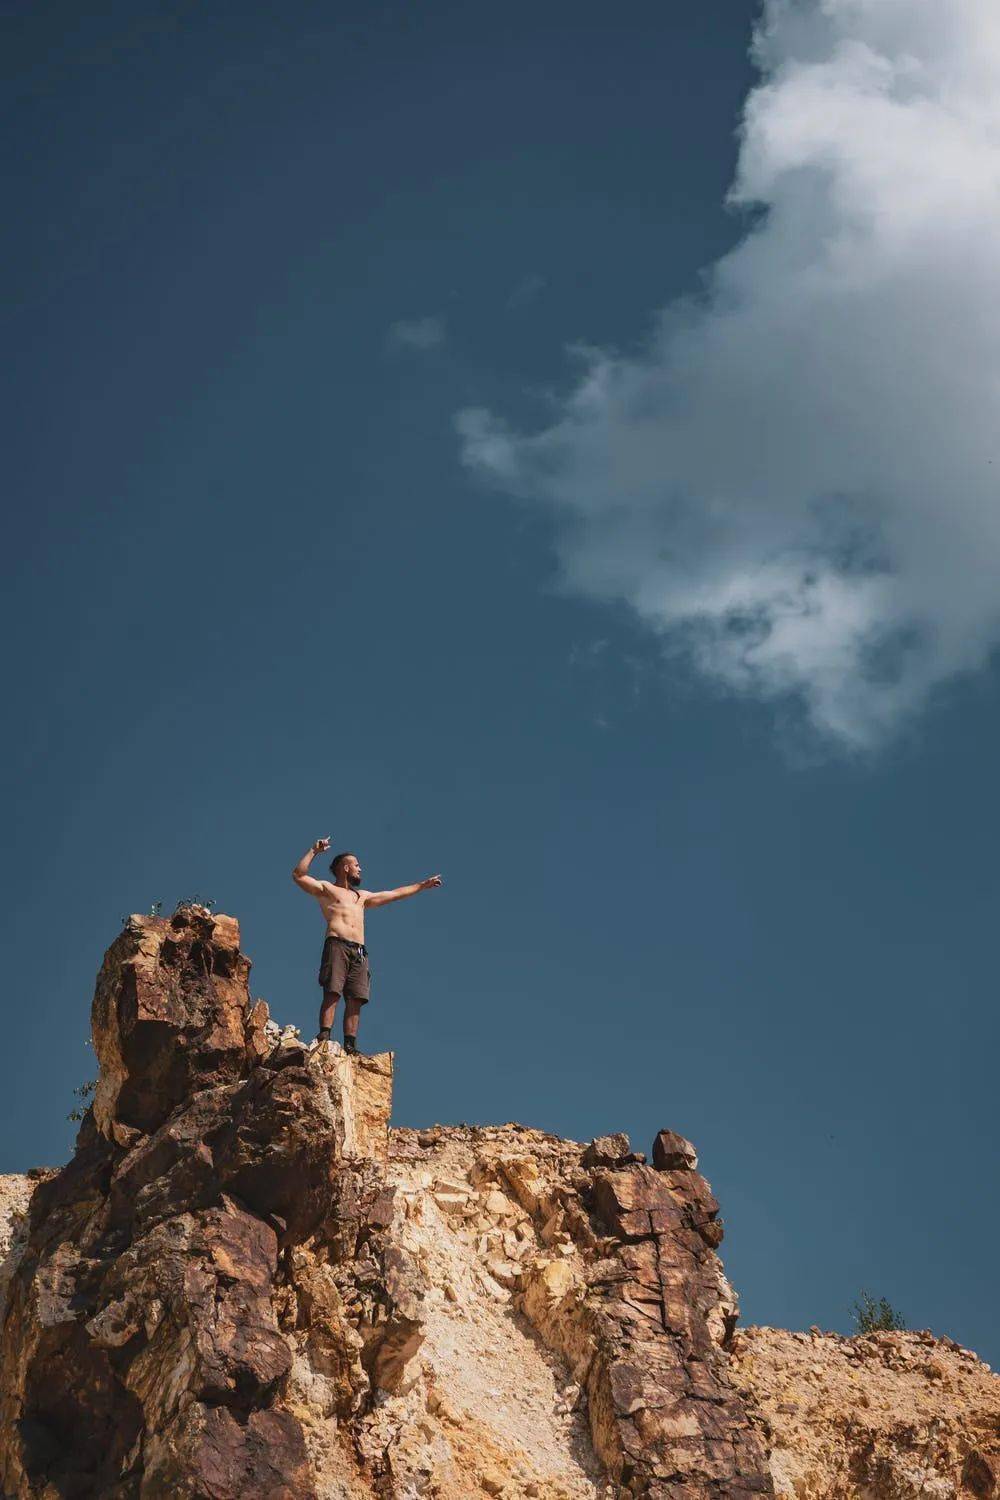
(354, 881)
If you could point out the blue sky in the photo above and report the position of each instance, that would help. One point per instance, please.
(260, 589)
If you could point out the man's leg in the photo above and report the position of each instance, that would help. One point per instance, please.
(327, 1012)
(352, 1015)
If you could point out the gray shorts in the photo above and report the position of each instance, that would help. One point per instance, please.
(343, 970)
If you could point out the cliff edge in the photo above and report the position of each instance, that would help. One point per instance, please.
(245, 1286)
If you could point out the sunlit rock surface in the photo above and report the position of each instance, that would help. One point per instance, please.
(246, 1286)
(889, 1416)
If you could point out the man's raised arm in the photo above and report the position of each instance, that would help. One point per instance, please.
(383, 898)
(301, 874)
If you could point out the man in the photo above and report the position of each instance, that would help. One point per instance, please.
(343, 969)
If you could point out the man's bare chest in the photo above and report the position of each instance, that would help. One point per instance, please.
(346, 905)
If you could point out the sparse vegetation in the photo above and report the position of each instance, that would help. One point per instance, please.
(875, 1317)
(83, 1092)
(208, 902)
(156, 909)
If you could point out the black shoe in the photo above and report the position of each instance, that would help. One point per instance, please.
(350, 1046)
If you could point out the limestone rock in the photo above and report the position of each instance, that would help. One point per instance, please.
(364, 1085)
(616, 1277)
(893, 1416)
(15, 1196)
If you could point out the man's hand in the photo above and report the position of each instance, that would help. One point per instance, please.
(321, 846)
(430, 882)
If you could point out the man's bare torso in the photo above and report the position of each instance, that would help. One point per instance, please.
(343, 911)
(342, 902)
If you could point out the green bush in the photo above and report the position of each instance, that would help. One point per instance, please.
(83, 1093)
(875, 1317)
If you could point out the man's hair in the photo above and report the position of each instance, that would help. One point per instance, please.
(335, 861)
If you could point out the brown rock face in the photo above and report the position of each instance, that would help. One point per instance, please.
(142, 1349)
(168, 1018)
(636, 1301)
(240, 1287)
(671, 1152)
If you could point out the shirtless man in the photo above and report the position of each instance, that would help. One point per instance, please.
(343, 969)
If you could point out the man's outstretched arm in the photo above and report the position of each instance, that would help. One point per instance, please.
(301, 875)
(382, 898)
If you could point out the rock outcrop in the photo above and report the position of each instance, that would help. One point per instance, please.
(244, 1284)
(888, 1416)
(143, 1350)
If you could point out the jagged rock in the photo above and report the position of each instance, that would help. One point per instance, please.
(607, 1151)
(168, 1017)
(215, 1455)
(639, 1316)
(243, 1285)
(365, 1089)
(142, 1351)
(672, 1153)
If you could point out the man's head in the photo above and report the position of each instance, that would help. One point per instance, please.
(346, 867)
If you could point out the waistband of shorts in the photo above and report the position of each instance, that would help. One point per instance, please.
(332, 937)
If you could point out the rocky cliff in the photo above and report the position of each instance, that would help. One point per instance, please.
(890, 1416)
(244, 1284)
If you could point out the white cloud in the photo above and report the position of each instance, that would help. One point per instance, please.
(417, 333)
(795, 480)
